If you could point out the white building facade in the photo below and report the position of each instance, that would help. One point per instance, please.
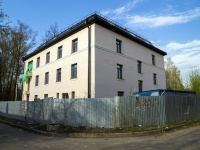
(94, 58)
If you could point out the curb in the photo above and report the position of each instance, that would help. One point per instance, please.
(95, 135)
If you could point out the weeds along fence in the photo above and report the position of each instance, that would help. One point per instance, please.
(105, 112)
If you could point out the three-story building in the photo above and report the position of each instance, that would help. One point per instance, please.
(94, 58)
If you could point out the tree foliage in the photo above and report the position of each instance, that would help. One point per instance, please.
(193, 81)
(50, 33)
(173, 79)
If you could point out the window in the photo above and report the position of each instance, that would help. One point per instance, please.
(28, 87)
(57, 95)
(46, 79)
(58, 76)
(139, 85)
(119, 71)
(47, 57)
(36, 97)
(153, 60)
(59, 55)
(65, 95)
(45, 96)
(30, 63)
(27, 97)
(118, 46)
(74, 71)
(36, 80)
(73, 94)
(38, 62)
(139, 66)
(120, 93)
(154, 78)
(74, 45)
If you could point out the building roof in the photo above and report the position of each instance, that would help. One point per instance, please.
(103, 21)
(161, 92)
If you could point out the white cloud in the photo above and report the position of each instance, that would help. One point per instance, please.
(186, 61)
(121, 10)
(164, 18)
(152, 21)
(178, 46)
(184, 55)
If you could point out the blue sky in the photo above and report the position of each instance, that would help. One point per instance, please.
(171, 25)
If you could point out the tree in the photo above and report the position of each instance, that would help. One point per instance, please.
(3, 31)
(23, 39)
(50, 33)
(15, 43)
(193, 81)
(173, 79)
(3, 17)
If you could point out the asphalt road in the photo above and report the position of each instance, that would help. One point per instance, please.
(14, 139)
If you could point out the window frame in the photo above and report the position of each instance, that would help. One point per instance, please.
(73, 94)
(139, 66)
(58, 75)
(35, 96)
(47, 57)
(46, 78)
(155, 78)
(120, 93)
(118, 46)
(46, 96)
(119, 71)
(75, 45)
(74, 71)
(140, 84)
(30, 62)
(37, 80)
(59, 52)
(38, 62)
(153, 60)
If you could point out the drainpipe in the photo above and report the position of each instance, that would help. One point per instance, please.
(89, 58)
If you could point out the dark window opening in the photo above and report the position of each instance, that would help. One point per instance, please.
(139, 65)
(65, 95)
(58, 76)
(59, 52)
(46, 80)
(45, 96)
(37, 80)
(153, 60)
(119, 71)
(74, 45)
(38, 62)
(73, 94)
(120, 93)
(74, 71)
(118, 46)
(154, 78)
(47, 57)
(139, 85)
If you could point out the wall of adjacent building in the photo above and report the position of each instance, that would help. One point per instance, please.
(106, 60)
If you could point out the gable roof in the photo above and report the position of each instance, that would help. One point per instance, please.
(103, 21)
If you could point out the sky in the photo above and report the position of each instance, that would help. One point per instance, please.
(171, 25)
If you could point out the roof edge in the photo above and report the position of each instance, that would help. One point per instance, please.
(103, 21)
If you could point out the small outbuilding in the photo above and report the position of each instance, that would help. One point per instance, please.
(162, 92)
